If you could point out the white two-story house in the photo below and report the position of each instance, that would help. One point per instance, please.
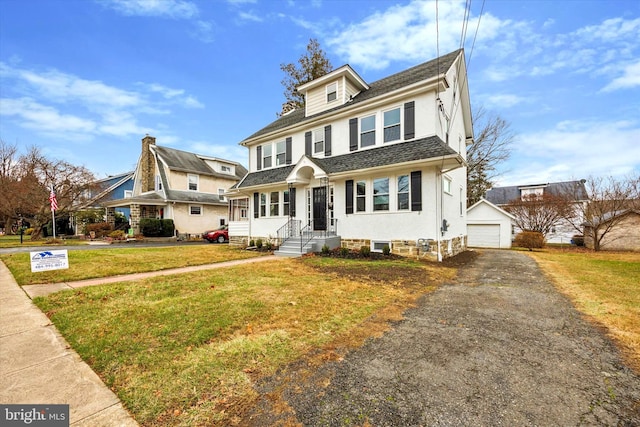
(363, 164)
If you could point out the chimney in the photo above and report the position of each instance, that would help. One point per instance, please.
(147, 164)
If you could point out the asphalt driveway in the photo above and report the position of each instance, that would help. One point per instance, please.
(499, 347)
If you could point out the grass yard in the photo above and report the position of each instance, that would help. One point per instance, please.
(13, 241)
(605, 286)
(88, 264)
(184, 349)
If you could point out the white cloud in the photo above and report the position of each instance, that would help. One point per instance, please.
(630, 78)
(180, 9)
(250, 16)
(43, 118)
(504, 100)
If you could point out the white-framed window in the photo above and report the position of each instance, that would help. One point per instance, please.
(281, 148)
(361, 196)
(403, 192)
(332, 92)
(221, 192)
(274, 204)
(238, 209)
(531, 192)
(266, 156)
(193, 181)
(128, 193)
(381, 194)
(285, 203)
(368, 131)
(158, 185)
(195, 209)
(263, 204)
(378, 246)
(318, 141)
(226, 169)
(463, 201)
(391, 122)
(446, 184)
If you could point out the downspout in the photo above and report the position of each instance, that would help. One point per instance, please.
(438, 208)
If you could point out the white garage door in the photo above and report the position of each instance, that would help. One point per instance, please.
(483, 235)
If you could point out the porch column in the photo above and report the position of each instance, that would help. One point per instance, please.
(111, 217)
(135, 218)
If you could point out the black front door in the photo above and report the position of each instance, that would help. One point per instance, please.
(320, 208)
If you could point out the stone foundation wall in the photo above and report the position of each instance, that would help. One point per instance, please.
(239, 241)
(355, 244)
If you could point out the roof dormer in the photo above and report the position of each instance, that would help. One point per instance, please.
(331, 90)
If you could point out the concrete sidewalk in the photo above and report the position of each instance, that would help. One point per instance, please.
(37, 366)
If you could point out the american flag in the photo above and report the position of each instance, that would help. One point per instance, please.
(53, 201)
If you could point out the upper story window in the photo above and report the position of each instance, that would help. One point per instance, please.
(158, 183)
(391, 125)
(266, 156)
(318, 141)
(128, 193)
(226, 169)
(221, 193)
(281, 153)
(332, 92)
(193, 182)
(530, 193)
(368, 131)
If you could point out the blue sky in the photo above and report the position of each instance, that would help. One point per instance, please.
(85, 80)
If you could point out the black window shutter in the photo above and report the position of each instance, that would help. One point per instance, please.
(307, 144)
(256, 205)
(287, 151)
(416, 191)
(349, 196)
(259, 155)
(292, 201)
(353, 134)
(327, 140)
(409, 120)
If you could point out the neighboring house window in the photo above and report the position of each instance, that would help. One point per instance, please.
(195, 210)
(266, 156)
(193, 182)
(403, 192)
(225, 168)
(332, 92)
(381, 194)
(281, 153)
(446, 184)
(128, 193)
(263, 204)
(392, 125)
(221, 193)
(285, 203)
(361, 196)
(274, 204)
(158, 183)
(368, 131)
(530, 192)
(318, 141)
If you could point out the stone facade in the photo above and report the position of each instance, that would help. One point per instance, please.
(147, 165)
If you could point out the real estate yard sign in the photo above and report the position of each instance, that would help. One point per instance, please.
(49, 260)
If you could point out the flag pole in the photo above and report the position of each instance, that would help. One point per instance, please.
(53, 213)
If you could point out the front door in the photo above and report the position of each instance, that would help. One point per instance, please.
(320, 208)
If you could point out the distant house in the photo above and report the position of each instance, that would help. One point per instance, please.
(624, 233)
(363, 164)
(173, 184)
(489, 226)
(563, 231)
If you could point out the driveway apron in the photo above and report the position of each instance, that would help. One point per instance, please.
(499, 347)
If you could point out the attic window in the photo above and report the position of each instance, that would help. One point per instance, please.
(332, 92)
(225, 168)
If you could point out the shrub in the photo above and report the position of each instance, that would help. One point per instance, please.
(101, 229)
(578, 240)
(344, 252)
(152, 227)
(386, 250)
(252, 242)
(268, 246)
(259, 243)
(117, 235)
(325, 249)
(365, 251)
(28, 231)
(530, 240)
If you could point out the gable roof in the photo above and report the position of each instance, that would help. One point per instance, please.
(504, 195)
(383, 86)
(184, 161)
(419, 149)
(484, 201)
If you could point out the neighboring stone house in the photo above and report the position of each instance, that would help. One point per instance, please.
(623, 235)
(363, 164)
(173, 184)
(563, 231)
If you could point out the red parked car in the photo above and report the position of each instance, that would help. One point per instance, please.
(220, 235)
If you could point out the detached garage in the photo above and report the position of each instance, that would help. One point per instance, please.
(488, 226)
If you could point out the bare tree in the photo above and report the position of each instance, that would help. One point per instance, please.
(311, 65)
(539, 212)
(491, 146)
(609, 197)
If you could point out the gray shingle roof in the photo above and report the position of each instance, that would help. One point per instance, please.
(504, 195)
(396, 81)
(419, 149)
(190, 162)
